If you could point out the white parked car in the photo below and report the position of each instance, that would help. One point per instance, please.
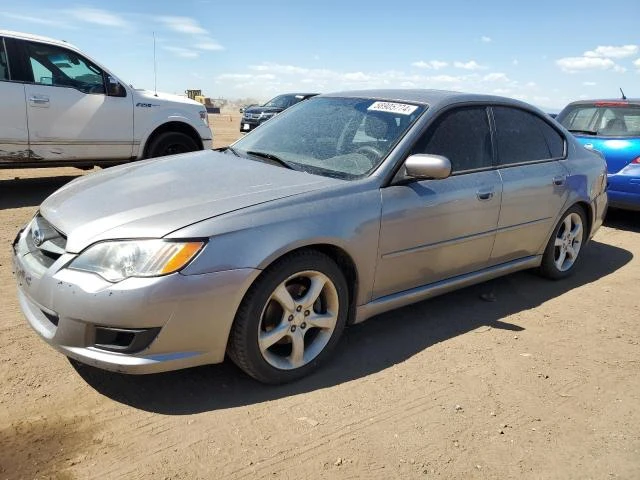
(59, 107)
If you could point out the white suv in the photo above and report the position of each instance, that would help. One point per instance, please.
(58, 107)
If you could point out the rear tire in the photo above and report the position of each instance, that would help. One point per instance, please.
(563, 250)
(290, 319)
(171, 143)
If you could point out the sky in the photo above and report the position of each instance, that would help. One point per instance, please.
(547, 53)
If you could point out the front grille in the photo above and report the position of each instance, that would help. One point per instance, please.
(44, 241)
(252, 116)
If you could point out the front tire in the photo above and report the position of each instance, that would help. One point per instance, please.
(171, 143)
(565, 245)
(291, 318)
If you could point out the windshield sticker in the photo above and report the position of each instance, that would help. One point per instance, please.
(393, 107)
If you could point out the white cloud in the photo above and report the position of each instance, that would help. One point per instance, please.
(98, 16)
(531, 84)
(589, 84)
(357, 77)
(445, 79)
(435, 64)
(182, 52)
(637, 63)
(515, 62)
(470, 65)
(277, 68)
(495, 77)
(575, 64)
(612, 52)
(234, 76)
(38, 20)
(182, 24)
(486, 39)
(209, 45)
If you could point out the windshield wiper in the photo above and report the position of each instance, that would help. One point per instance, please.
(273, 158)
(588, 132)
(227, 149)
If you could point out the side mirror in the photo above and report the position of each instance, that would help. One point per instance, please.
(423, 166)
(114, 88)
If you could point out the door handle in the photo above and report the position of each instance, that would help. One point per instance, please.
(39, 100)
(559, 180)
(485, 194)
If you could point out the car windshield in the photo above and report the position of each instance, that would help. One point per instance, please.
(281, 101)
(338, 137)
(616, 119)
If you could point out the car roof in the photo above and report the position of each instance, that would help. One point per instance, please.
(430, 97)
(37, 38)
(619, 101)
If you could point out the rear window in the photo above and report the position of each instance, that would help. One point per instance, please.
(606, 119)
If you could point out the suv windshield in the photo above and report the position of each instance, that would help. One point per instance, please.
(338, 137)
(616, 119)
(281, 101)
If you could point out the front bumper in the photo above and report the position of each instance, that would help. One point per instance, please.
(192, 314)
(248, 125)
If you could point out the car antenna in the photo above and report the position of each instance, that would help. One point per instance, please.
(624, 97)
(155, 76)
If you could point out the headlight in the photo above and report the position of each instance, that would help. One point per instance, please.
(116, 260)
(204, 117)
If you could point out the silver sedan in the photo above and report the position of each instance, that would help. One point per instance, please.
(343, 207)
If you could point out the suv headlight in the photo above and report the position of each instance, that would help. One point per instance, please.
(204, 117)
(117, 260)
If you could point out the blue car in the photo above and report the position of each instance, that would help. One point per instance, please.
(613, 128)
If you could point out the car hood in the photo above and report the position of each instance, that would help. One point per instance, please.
(163, 98)
(153, 198)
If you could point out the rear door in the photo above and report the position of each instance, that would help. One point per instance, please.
(14, 137)
(437, 229)
(70, 115)
(534, 182)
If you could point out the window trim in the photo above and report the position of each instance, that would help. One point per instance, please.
(6, 56)
(446, 111)
(24, 52)
(528, 162)
(394, 177)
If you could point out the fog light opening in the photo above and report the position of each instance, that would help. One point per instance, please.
(124, 340)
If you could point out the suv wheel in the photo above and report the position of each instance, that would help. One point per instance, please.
(171, 143)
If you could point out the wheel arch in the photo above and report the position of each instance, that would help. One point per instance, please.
(588, 213)
(343, 260)
(172, 126)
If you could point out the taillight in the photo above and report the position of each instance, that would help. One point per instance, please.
(636, 161)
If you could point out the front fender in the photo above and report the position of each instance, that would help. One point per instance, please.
(144, 127)
(257, 236)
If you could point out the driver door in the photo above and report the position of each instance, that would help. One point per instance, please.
(69, 113)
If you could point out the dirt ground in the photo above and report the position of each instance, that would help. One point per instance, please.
(543, 383)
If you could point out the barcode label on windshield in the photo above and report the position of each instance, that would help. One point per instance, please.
(392, 107)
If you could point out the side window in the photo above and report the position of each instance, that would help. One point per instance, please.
(523, 137)
(461, 135)
(59, 67)
(4, 64)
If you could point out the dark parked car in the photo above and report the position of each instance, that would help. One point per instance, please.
(255, 116)
(611, 127)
